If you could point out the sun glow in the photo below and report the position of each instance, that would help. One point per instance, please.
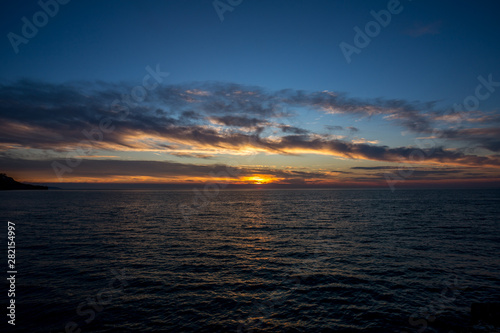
(259, 179)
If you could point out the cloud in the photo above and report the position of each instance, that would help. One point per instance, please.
(414, 173)
(420, 29)
(168, 172)
(194, 155)
(68, 117)
(109, 169)
(488, 138)
(333, 128)
(153, 171)
(375, 168)
(238, 121)
(293, 129)
(420, 171)
(340, 128)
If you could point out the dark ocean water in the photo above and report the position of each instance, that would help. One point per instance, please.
(253, 261)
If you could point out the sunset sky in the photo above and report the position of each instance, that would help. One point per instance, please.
(251, 92)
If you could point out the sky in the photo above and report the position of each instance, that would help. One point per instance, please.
(251, 92)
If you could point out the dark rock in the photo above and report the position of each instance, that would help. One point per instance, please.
(8, 183)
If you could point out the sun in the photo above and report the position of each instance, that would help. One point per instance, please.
(259, 179)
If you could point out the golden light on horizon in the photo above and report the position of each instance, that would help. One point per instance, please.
(259, 179)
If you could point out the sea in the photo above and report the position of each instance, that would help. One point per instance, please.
(309, 260)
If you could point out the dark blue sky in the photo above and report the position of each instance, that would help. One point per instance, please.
(274, 44)
(428, 57)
